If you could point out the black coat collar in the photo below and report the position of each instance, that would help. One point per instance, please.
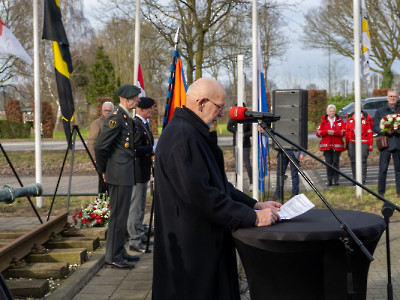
(190, 116)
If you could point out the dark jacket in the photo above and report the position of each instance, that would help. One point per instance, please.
(196, 208)
(393, 139)
(144, 141)
(247, 132)
(114, 148)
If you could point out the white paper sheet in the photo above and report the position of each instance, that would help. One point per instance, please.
(296, 206)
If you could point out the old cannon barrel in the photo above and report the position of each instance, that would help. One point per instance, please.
(8, 194)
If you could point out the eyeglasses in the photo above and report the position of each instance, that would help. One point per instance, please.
(393, 96)
(221, 108)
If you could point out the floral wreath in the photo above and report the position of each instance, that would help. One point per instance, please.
(390, 123)
(94, 214)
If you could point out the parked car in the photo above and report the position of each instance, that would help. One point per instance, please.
(370, 105)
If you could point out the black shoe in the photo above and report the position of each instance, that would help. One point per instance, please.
(139, 248)
(336, 183)
(329, 183)
(121, 264)
(129, 257)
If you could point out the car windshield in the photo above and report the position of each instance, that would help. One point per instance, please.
(368, 104)
(347, 109)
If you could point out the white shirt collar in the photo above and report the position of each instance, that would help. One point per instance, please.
(141, 118)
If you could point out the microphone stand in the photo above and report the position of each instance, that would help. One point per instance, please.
(282, 176)
(387, 209)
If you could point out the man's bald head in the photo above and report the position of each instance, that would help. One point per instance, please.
(206, 98)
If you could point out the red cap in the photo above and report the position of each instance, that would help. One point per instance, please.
(237, 113)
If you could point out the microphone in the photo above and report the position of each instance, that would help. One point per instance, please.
(241, 113)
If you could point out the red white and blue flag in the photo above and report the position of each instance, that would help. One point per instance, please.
(140, 82)
(263, 147)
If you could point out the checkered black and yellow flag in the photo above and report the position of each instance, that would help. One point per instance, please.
(53, 30)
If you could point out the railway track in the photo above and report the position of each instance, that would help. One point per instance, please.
(34, 262)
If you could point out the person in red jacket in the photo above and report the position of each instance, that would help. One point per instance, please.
(331, 130)
(366, 141)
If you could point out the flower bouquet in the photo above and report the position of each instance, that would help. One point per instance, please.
(94, 214)
(390, 123)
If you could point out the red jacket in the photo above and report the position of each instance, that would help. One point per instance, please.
(366, 129)
(335, 141)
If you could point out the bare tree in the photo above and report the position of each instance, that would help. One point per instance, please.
(273, 41)
(212, 33)
(330, 27)
(155, 57)
(200, 23)
(331, 76)
(17, 16)
(78, 31)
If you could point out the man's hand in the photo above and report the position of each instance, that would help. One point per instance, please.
(266, 217)
(267, 213)
(267, 204)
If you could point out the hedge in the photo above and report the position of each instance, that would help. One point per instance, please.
(12, 130)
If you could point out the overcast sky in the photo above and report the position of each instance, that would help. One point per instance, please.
(300, 67)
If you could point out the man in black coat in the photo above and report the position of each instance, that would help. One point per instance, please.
(143, 142)
(196, 208)
(115, 159)
(392, 107)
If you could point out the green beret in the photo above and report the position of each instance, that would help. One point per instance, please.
(145, 102)
(128, 91)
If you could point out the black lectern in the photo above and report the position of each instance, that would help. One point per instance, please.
(304, 258)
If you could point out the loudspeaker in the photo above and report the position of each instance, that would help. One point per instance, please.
(292, 106)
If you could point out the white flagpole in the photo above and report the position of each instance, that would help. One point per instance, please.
(137, 43)
(36, 72)
(239, 132)
(255, 101)
(357, 92)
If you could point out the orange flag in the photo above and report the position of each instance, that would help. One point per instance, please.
(179, 92)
